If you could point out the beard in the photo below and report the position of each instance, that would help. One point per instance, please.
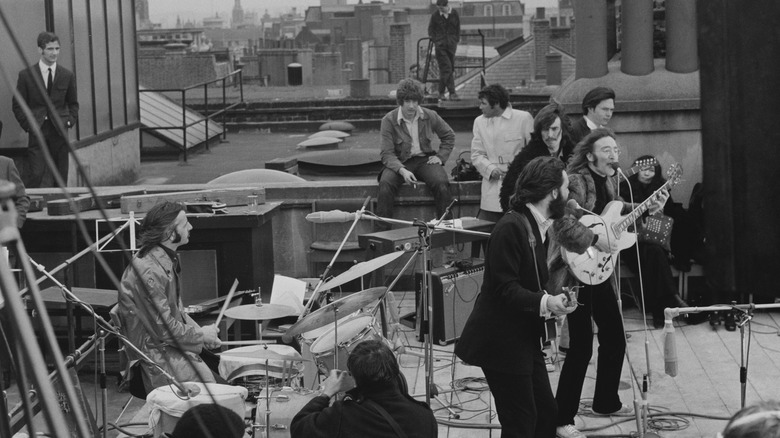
(557, 208)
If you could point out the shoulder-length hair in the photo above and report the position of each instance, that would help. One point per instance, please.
(579, 158)
(156, 226)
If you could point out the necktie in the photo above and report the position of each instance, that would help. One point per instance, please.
(48, 84)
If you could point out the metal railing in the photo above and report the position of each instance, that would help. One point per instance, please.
(462, 67)
(207, 115)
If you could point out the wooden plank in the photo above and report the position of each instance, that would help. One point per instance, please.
(229, 196)
(105, 198)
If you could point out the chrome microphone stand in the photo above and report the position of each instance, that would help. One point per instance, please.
(424, 234)
(315, 294)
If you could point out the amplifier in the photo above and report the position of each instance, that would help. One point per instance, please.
(454, 294)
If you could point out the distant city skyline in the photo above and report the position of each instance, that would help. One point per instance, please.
(166, 12)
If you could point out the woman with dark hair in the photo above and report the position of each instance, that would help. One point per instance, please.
(660, 289)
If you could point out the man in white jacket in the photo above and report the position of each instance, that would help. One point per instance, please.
(500, 133)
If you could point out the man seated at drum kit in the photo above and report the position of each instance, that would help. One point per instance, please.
(150, 310)
(375, 405)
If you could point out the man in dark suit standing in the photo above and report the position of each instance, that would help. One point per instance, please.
(503, 335)
(444, 31)
(46, 76)
(597, 108)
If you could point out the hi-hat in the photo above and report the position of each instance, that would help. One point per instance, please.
(254, 312)
(337, 309)
(263, 354)
(361, 269)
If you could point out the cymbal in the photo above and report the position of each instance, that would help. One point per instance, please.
(361, 269)
(254, 312)
(264, 354)
(326, 315)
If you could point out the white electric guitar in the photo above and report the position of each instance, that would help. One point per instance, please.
(594, 266)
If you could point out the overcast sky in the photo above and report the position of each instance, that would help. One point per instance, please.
(165, 11)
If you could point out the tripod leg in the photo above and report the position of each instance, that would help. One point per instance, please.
(449, 409)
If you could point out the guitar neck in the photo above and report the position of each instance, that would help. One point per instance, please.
(637, 212)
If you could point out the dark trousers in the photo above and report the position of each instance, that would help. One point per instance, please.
(445, 57)
(37, 173)
(657, 281)
(6, 350)
(492, 216)
(433, 175)
(524, 403)
(599, 302)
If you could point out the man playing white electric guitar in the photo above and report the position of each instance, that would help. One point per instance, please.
(592, 186)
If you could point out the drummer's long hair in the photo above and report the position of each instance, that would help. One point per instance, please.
(156, 226)
(373, 366)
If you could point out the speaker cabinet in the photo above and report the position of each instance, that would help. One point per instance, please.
(454, 294)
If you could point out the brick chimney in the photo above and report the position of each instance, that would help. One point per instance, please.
(541, 29)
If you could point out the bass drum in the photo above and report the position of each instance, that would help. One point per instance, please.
(283, 404)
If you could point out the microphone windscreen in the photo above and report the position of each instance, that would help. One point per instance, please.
(571, 204)
(670, 350)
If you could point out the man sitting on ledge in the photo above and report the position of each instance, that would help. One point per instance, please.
(407, 150)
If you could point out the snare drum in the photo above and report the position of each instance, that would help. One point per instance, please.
(166, 407)
(284, 405)
(351, 332)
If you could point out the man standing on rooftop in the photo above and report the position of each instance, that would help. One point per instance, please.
(444, 31)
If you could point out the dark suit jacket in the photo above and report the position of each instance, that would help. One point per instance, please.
(445, 33)
(8, 172)
(63, 96)
(579, 130)
(350, 418)
(504, 328)
(535, 148)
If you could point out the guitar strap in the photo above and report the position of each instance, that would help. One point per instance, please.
(388, 418)
(532, 243)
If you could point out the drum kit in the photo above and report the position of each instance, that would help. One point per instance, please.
(331, 333)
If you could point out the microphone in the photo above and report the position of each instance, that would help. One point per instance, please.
(399, 348)
(670, 346)
(365, 203)
(573, 205)
(326, 217)
(192, 390)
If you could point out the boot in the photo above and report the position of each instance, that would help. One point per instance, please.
(729, 321)
(714, 319)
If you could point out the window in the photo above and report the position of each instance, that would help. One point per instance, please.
(488, 10)
(506, 9)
